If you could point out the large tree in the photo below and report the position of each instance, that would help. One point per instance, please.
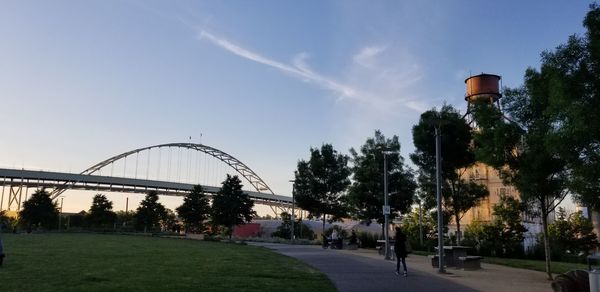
(460, 193)
(101, 213)
(231, 206)
(194, 210)
(39, 210)
(150, 212)
(516, 142)
(572, 71)
(365, 195)
(321, 183)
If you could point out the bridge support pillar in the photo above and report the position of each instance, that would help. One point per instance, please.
(14, 195)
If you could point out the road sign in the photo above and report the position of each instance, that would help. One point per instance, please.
(386, 210)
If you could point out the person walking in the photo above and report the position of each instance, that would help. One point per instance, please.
(400, 250)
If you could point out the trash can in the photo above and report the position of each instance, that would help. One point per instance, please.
(594, 274)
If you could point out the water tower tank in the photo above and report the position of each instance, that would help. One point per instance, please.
(483, 87)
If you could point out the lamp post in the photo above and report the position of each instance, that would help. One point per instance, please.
(386, 207)
(438, 189)
(293, 236)
(60, 213)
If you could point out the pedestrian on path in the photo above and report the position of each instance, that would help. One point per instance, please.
(400, 250)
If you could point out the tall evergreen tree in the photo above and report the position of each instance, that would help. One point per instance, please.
(101, 213)
(194, 210)
(321, 183)
(231, 206)
(460, 193)
(39, 210)
(365, 195)
(150, 212)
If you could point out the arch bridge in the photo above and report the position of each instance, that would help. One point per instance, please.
(168, 173)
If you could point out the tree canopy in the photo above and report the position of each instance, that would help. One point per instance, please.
(101, 213)
(231, 206)
(194, 210)
(365, 195)
(150, 212)
(321, 183)
(39, 210)
(460, 192)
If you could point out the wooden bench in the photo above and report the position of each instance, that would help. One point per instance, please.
(469, 263)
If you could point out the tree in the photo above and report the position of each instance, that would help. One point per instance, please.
(101, 213)
(300, 230)
(573, 234)
(39, 210)
(459, 192)
(150, 212)
(365, 195)
(573, 72)
(508, 223)
(517, 146)
(320, 183)
(231, 206)
(194, 210)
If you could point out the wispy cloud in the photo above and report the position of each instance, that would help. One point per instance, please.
(300, 68)
(373, 81)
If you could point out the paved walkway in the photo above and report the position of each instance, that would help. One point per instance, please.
(365, 270)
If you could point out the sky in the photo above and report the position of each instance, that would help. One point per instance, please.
(82, 81)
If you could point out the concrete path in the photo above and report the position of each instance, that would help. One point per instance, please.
(354, 272)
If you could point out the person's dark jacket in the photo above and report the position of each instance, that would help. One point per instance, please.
(400, 245)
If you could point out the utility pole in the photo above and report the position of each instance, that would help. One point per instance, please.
(386, 208)
(420, 223)
(293, 236)
(438, 180)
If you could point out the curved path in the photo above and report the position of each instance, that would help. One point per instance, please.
(350, 272)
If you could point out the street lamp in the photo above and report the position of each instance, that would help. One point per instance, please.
(60, 214)
(386, 206)
(438, 190)
(293, 236)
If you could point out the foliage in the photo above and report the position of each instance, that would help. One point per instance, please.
(169, 220)
(367, 239)
(150, 212)
(231, 206)
(101, 214)
(284, 230)
(365, 195)
(573, 72)
(410, 226)
(321, 182)
(77, 220)
(518, 147)
(503, 237)
(7, 222)
(39, 210)
(459, 193)
(194, 210)
(125, 218)
(571, 235)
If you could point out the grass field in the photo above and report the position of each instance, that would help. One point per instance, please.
(93, 262)
(555, 267)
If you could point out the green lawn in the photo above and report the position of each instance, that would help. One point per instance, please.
(91, 262)
(555, 267)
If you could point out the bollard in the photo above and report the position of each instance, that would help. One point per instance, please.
(594, 276)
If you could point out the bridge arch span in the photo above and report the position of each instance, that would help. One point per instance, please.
(248, 174)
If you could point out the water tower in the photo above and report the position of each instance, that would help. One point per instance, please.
(482, 87)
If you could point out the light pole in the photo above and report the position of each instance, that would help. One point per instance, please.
(438, 189)
(60, 213)
(386, 207)
(293, 236)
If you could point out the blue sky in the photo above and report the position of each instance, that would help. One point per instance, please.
(81, 81)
